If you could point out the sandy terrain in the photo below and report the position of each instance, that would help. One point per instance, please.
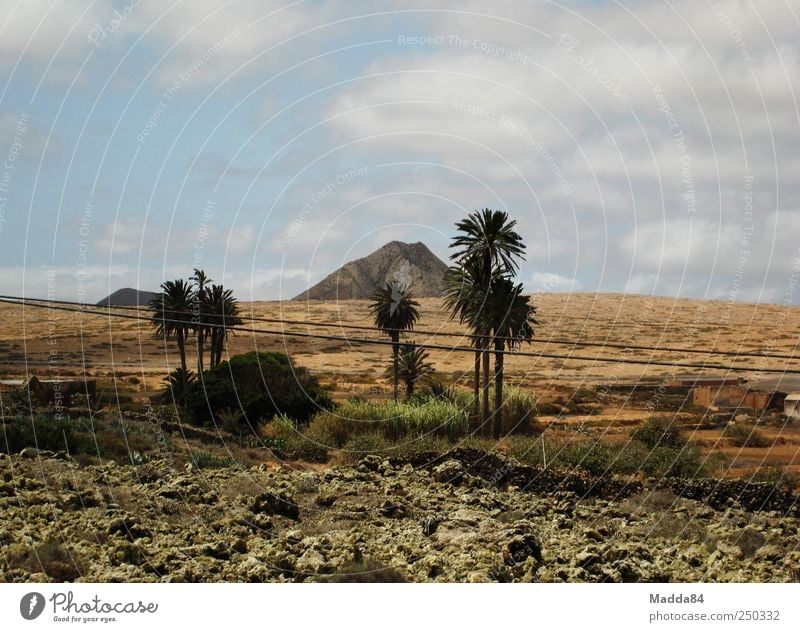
(100, 344)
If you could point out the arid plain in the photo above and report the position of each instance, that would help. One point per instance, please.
(123, 355)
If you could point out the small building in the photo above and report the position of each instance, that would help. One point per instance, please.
(757, 396)
(791, 406)
(735, 397)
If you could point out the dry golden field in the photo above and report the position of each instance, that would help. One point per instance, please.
(45, 341)
(123, 354)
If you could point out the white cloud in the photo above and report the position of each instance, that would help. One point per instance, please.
(551, 282)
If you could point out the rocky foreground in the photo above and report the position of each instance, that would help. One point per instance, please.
(443, 520)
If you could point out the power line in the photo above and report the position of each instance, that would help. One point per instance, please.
(556, 341)
(453, 349)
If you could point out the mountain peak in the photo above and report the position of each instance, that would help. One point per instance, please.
(411, 265)
(127, 296)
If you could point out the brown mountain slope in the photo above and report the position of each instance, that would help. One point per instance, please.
(413, 265)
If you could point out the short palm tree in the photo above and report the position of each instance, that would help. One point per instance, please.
(171, 317)
(414, 367)
(394, 310)
(509, 316)
(178, 384)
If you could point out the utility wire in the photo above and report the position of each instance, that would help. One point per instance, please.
(373, 341)
(556, 341)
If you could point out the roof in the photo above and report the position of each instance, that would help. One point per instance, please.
(783, 384)
(793, 397)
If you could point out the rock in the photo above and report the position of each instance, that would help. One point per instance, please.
(520, 548)
(594, 534)
(430, 524)
(127, 527)
(448, 472)
(279, 504)
(392, 509)
(770, 553)
(325, 499)
(587, 558)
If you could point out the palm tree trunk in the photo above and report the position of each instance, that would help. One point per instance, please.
(395, 357)
(476, 395)
(181, 340)
(200, 344)
(499, 365)
(486, 414)
(220, 343)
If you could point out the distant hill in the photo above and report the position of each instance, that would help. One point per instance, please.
(413, 265)
(127, 296)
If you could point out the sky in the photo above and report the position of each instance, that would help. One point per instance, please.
(647, 147)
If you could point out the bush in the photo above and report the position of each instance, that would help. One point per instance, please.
(45, 432)
(745, 437)
(283, 435)
(359, 446)
(260, 384)
(659, 432)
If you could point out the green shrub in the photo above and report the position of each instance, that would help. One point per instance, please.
(260, 384)
(438, 392)
(208, 461)
(519, 412)
(603, 458)
(392, 421)
(285, 436)
(745, 436)
(659, 432)
(360, 445)
(45, 432)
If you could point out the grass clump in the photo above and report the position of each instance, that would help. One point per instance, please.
(601, 458)
(392, 421)
(208, 461)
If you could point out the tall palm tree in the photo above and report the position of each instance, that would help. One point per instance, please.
(394, 310)
(413, 366)
(487, 244)
(199, 315)
(509, 316)
(171, 310)
(223, 314)
(462, 297)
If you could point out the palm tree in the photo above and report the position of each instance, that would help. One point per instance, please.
(413, 366)
(394, 310)
(171, 309)
(223, 314)
(178, 383)
(463, 298)
(201, 280)
(509, 316)
(488, 246)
